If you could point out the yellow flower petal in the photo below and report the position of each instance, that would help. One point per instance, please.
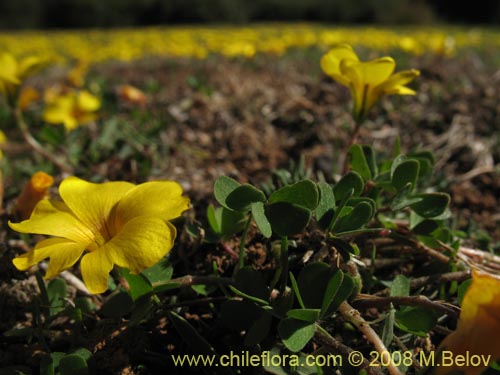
(62, 253)
(369, 73)
(49, 218)
(330, 62)
(70, 123)
(58, 111)
(401, 78)
(29, 66)
(95, 208)
(479, 323)
(142, 242)
(87, 102)
(3, 139)
(95, 267)
(8, 67)
(399, 90)
(162, 199)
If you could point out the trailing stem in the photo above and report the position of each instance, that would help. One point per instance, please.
(36, 146)
(353, 316)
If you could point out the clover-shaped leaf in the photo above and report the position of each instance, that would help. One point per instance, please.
(356, 217)
(295, 333)
(403, 172)
(303, 193)
(225, 222)
(352, 180)
(287, 219)
(431, 205)
(234, 196)
(326, 205)
(362, 160)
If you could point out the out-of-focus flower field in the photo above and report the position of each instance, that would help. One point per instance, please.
(128, 44)
(169, 193)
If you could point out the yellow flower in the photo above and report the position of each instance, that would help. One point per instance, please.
(3, 139)
(14, 72)
(367, 81)
(72, 109)
(113, 223)
(27, 97)
(131, 95)
(76, 76)
(478, 326)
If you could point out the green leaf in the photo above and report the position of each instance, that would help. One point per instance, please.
(400, 286)
(295, 333)
(204, 290)
(331, 290)
(357, 218)
(251, 282)
(340, 208)
(358, 162)
(73, 364)
(388, 331)
(403, 199)
(56, 291)
(259, 330)
(396, 148)
(139, 285)
(303, 193)
(83, 353)
(307, 315)
(117, 305)
(352, 180)
(405, 173)
(47, 364)
(426, 160)
(225, 222)
(160, 272)
(248, 296)
(326, 205)
(241, 198)
(345, 290)
(260, 218)
(223, 187)
(214, 219)
(296, 290)
(431, 205)
(312, 282)
(422, 226)
(370, 159)
(287, 219)
(416, 320)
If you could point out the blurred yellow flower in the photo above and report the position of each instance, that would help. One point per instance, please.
(367, 81)
(3, 140)
(131, 95)
(72, 109)
(113, 223)
(33, 192)
(14, 72)
(76, 75)
(478, 327)
(27, 97)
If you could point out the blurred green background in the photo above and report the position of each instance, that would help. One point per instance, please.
(29, 14)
